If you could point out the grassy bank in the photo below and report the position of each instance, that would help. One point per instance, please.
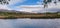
(11, 15)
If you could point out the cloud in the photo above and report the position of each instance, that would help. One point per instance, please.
(53, 7)
(5, 7)
(39, 2)
(40, 8)
(37, 8)
(12, 2)
(30, 8)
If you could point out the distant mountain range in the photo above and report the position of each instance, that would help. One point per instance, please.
(14, 11)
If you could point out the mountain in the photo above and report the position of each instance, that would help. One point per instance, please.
(14, 11)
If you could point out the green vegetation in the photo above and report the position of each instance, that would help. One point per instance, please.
(13, 15)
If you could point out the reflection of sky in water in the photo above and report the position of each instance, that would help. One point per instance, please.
(30, 23)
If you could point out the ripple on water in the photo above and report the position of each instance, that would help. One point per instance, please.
(30, 23)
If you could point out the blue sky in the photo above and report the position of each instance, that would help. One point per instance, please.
(16, 5)
(25, 2)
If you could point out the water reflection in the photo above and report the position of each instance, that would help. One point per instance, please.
(30, 23)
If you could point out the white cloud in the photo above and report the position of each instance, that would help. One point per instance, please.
(30, 8)
(39, 2)
(39, 8)
(15, 1)
(4, 7)
(11, 2)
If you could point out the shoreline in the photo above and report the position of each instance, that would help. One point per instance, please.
(31, 17)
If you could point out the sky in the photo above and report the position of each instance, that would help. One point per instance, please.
(17, 4)
(30, 23)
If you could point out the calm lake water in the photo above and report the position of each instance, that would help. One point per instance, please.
(29, 23)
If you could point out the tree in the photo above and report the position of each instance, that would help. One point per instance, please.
(59, 0)
(4, 1)
(45, 3)
(49, 0)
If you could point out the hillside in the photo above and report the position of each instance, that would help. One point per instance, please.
(12, 14)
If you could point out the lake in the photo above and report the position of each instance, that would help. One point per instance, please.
(29, 23)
